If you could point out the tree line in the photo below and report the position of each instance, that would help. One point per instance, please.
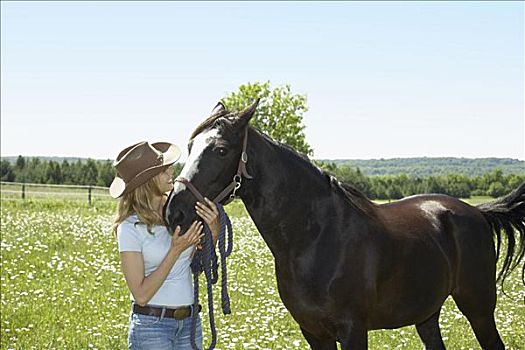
(101, 172)
(424, 166)
(493, 183)
(88, 172)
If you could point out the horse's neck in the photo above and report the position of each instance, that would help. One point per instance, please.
(283, 193)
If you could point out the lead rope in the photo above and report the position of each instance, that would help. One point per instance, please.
(205, 260)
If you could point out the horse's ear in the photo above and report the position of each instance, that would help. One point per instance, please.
(243, 117)
(219, 108)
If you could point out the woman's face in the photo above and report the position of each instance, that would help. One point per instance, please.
(166, 180)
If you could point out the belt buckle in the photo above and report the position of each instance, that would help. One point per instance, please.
(180, 314)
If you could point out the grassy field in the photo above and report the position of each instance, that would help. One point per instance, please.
(62, 287)
(35, 191)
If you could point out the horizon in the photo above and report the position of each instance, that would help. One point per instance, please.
(383, 80)
(310, 158)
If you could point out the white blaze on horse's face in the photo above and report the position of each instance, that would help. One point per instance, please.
(200, 143)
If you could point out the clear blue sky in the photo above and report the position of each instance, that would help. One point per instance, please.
(382, 79)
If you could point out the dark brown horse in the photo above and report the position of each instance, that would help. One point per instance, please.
(345, 265)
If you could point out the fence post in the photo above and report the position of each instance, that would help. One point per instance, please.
(89, 194)
(24, 190)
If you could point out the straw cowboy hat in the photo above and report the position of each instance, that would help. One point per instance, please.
(138, 163)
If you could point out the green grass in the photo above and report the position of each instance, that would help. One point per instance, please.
(62, 287)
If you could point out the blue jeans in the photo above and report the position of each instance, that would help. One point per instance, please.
(156, 333)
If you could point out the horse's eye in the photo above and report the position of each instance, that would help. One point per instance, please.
(221, 151)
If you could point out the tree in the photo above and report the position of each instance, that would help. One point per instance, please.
(20, 163)
(34, 171)
(177, 168)
(89, 172)
(106, 173)
(67, 176)
(394, 192)
(6, 171)
(496, 189)
(77, 173)
(19, 169)
(53, 173)
(279, 114)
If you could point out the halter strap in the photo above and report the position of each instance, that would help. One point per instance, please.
(233, 186)
(192, 188)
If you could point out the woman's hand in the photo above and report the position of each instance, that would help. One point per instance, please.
(210, 214)
(191, 237)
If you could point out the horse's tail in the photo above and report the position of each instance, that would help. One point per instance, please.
(507, 214)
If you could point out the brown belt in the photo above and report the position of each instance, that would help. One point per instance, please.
(178, 314)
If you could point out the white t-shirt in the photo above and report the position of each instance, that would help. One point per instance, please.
(177, 289)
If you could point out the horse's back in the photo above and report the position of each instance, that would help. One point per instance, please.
(441, 212)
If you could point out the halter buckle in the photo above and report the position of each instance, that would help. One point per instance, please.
(237, 179)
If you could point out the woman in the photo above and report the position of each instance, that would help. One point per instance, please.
(156, 264)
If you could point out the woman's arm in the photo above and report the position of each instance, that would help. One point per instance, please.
(144, 288)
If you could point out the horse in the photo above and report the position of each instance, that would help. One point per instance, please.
(345, 265)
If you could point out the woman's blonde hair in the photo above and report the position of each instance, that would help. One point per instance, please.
(140, 201)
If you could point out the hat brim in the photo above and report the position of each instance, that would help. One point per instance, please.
(171, 153)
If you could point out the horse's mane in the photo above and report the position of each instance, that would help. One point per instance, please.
(352, 195)
(355, 198)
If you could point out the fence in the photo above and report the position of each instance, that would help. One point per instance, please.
(23, 190)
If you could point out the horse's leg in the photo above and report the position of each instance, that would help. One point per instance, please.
(354, 337)
(475, 289)
(479, 311)
(430, 334)
(483, 324)
(318, 344)
(486, 332)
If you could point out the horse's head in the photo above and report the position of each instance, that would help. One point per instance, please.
(215, 149)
